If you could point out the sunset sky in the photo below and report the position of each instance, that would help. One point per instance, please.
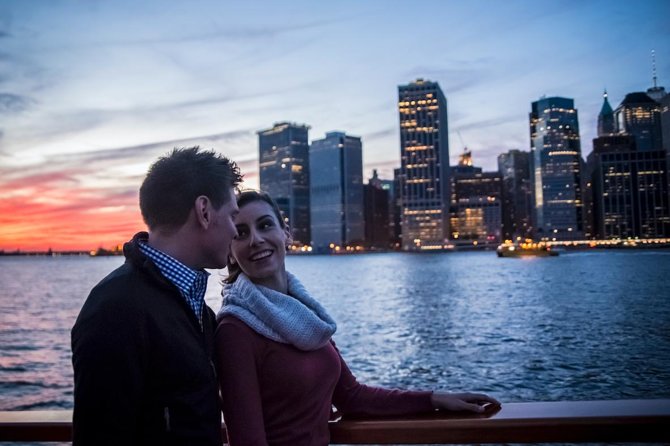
(91, 92)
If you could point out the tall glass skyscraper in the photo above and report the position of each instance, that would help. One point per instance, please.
(284, 173)
(336, 182)
(424, 163)
(556, 169)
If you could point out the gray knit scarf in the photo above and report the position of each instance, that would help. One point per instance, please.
(296, 319)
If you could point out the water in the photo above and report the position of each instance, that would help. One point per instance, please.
(584, 325)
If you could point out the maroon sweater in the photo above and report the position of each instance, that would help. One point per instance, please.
(275, 394)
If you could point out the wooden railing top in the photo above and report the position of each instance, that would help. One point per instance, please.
(546, 422)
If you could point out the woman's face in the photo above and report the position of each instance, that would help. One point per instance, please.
(260, 246)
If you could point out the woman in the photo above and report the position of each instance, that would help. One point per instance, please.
(279, 371)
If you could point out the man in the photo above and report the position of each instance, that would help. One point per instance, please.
(142, 344)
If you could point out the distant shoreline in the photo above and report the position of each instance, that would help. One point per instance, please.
(105, 253)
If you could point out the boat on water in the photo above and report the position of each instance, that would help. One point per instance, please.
(528, 248)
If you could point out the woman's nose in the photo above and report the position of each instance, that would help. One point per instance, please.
(254, 238)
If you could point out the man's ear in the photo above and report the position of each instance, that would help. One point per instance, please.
(203, 211)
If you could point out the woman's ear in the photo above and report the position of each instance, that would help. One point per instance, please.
(231, 260)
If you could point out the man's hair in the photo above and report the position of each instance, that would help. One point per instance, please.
(175, 180)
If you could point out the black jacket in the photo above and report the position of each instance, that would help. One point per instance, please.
(143, 373)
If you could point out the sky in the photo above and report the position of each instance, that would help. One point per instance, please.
(92, 92)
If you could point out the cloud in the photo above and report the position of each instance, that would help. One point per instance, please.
(14, 103)
(485, 123)
(380, 134)
(262, 33)
(144, 152)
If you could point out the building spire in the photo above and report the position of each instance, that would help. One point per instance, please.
(656, 93)
(606, 117)
(653, 66)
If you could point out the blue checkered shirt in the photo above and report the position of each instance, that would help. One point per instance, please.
(191, 284)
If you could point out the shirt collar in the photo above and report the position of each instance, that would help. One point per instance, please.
(183, 277)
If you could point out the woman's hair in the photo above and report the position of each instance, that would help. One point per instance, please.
(243, 198)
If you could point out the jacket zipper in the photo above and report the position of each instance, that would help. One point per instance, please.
(166, 416)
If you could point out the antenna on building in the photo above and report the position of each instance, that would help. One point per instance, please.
(461, 138)
(653, 66)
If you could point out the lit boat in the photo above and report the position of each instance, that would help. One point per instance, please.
(525, 249)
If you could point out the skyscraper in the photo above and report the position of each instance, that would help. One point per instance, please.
(424, 161)
(665, 122)
(284, 173)
(376, 212)
(640, 116)
(514, 166)
(628, 187)
(476, 203)
(556, 169)
(336, 185)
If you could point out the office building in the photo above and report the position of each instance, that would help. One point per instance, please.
(476, 204)
(556, 170)
(284, 174)
(424, 158)
(629, 186)
(514, 166)
(336, 166)
(376, 212)
(640, 116)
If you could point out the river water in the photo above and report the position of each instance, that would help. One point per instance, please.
(584, 325)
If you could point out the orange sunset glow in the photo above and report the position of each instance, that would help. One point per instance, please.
(82, 201)
(34, 216)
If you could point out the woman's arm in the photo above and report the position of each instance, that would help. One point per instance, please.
(351, 397)
(240, 392)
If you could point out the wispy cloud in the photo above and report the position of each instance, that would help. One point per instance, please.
(380, 134)
(14, 103)
(485, 123)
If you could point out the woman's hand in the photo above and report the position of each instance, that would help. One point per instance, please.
(471, 402)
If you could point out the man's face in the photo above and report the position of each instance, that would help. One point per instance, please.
(221, 232)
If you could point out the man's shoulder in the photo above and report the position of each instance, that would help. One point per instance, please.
(128, 287)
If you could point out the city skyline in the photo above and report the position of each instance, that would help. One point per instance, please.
(90, 95)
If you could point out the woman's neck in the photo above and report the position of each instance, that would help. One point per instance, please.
(277, 282)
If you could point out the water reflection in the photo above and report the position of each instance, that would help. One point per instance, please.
(589, 325)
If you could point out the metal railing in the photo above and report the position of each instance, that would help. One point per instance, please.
(545, 422)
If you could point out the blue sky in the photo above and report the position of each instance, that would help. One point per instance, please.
(91, 92)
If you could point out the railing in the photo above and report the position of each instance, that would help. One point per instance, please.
(546, 422)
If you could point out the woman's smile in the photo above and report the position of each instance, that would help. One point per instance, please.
(264, 254)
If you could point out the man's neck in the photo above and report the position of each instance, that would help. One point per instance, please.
(177, 244)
